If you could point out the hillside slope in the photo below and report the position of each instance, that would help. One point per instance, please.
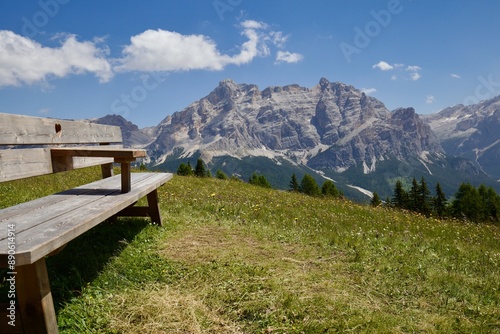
(234, 258)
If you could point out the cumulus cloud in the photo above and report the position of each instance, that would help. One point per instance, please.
(455, 76)
(430, 99)
(412, 70)
(384, 66)
(24, 61)
(161, 50)
(288, 57)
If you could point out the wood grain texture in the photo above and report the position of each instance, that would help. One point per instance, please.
(44, 225)
(18, 164)
(28, 130)
(35, 299)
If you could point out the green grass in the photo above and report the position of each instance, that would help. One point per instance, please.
(236, 258)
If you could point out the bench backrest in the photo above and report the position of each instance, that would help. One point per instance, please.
(25, 143)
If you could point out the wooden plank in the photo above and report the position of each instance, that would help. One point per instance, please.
(18, 164)
(29, 130)
(65, 159)
(64, 221)
(68, 226)
(43, 203)
(67, 163)
(35, 299)
(99, 151)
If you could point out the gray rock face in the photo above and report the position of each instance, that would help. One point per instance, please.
(132, 135)
(472, 132)
(331, 125)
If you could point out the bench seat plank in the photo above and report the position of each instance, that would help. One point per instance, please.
(71, 213)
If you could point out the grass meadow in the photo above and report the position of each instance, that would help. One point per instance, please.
(236, 258)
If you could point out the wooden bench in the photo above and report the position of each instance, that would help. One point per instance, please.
(32, 146)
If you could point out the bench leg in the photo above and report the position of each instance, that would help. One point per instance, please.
(35, 299)
(154, 208)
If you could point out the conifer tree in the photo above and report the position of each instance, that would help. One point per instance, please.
(423, 198)
(184, 170)
(329, 189)
(400, 196)
(259, 180)
(375, 200)
(413, 196)
(439, 201)
(200, 169)
(220, 175)
(467, 203)
(294, 184)
(309, 186)
(490, 204)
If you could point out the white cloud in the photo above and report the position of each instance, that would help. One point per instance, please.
(162, 50)
(413, 70)
(430, 99)
(288, 57)
(455, 76)
(368, 91)
(415, 76)
(251, 24)
(382, 65)
(24, 61)
(278, 39)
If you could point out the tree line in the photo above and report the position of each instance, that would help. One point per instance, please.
(307, 185)
(473, 204)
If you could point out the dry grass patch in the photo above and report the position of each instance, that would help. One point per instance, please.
(161, 309)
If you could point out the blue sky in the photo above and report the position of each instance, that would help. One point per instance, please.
(145, 60)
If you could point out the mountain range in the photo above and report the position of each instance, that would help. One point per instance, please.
(332, 131)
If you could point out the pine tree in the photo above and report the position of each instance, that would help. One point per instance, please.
(423, 198)
(220, 175)
(309, 186)
(200, 169)
(467, 203)
(375, 200)
(329, 189)
(490, 204)
(184, 170)
(259, 180)
(413, 196)
(400, 196)
(294, 184)
(439, 201)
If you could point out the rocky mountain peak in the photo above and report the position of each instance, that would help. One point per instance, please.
(471, 132)
(331, 125)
